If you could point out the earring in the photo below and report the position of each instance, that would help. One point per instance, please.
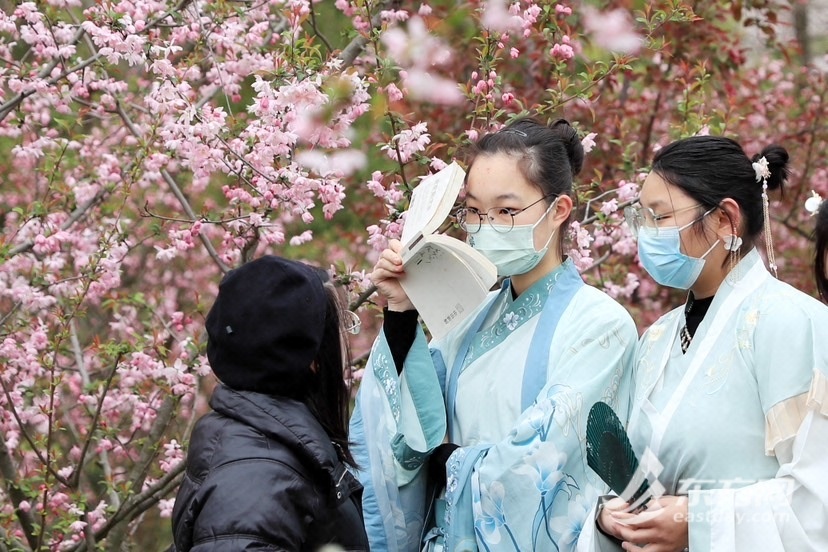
(732, 243)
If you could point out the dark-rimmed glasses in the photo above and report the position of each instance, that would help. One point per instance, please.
(501, 219)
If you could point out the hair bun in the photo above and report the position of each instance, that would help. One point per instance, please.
(777, 158)
(574, 148)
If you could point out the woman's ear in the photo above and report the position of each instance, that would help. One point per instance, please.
(563, 208)
(729, 221)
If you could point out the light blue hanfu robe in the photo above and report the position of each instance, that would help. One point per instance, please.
(739, 423)
(512, 386)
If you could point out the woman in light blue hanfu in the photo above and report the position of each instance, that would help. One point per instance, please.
(497, 408)
(731, 389)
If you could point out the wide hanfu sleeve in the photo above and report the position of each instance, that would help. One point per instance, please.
(790, 511)
(397, 421)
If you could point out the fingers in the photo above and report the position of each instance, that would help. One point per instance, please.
(616, 504)
(386, 274)
(395, 246)
(389, 265)
(633, 535)
(645, 518)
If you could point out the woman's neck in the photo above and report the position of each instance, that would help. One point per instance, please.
(522, 282)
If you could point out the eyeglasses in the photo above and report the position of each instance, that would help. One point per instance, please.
(352, 323)
(637, 216)
(501, 219)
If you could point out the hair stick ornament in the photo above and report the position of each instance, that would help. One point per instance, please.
(762, 174)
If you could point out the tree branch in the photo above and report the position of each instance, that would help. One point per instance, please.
(74, 217)
(75, 479)
(185, 204)
(349, 54)
(9, 473)
(138, 504)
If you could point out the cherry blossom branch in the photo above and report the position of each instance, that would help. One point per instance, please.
(163, 417)
(74, 217)
(16, 415)
(7, 107)
(74, 480)
(5, 538)
(10, 313)
(157, 21)
(9, 473)
(138, 504)
(316, 30)
(114, 499)
(601, 260)
(363, 297)
(147, 213)
(176, 190)
(11, 104)
(357, 45)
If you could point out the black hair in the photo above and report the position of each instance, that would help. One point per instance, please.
(549, 156)
(821, 238)
(329, 396)
(712, 168)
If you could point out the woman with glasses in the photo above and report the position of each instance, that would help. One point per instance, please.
(730, 408)
(496, 410)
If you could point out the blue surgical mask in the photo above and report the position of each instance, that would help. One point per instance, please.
(659, 250)
(512, 252)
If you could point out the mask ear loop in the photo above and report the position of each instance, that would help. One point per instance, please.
(546, 214)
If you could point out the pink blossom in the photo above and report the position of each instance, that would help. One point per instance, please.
(496, 17)
(588, 142)
(409, 142)
(165, 507)
(299, 239)
(394, 93)
(627, 191)
(609, 207)
(415, 47)
(613, 30)
(437, 164)
(562, 51)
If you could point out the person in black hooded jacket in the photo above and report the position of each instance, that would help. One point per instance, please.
(268, 469)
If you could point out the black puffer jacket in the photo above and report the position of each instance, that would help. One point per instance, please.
(263, 475)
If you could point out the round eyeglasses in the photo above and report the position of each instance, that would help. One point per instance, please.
(501, 219)
(637, 216)
(351, 322)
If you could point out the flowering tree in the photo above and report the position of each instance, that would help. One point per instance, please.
(151, 145)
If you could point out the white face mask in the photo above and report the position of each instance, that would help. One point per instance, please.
(511, 252)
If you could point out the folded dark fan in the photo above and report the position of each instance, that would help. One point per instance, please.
(609, 452)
